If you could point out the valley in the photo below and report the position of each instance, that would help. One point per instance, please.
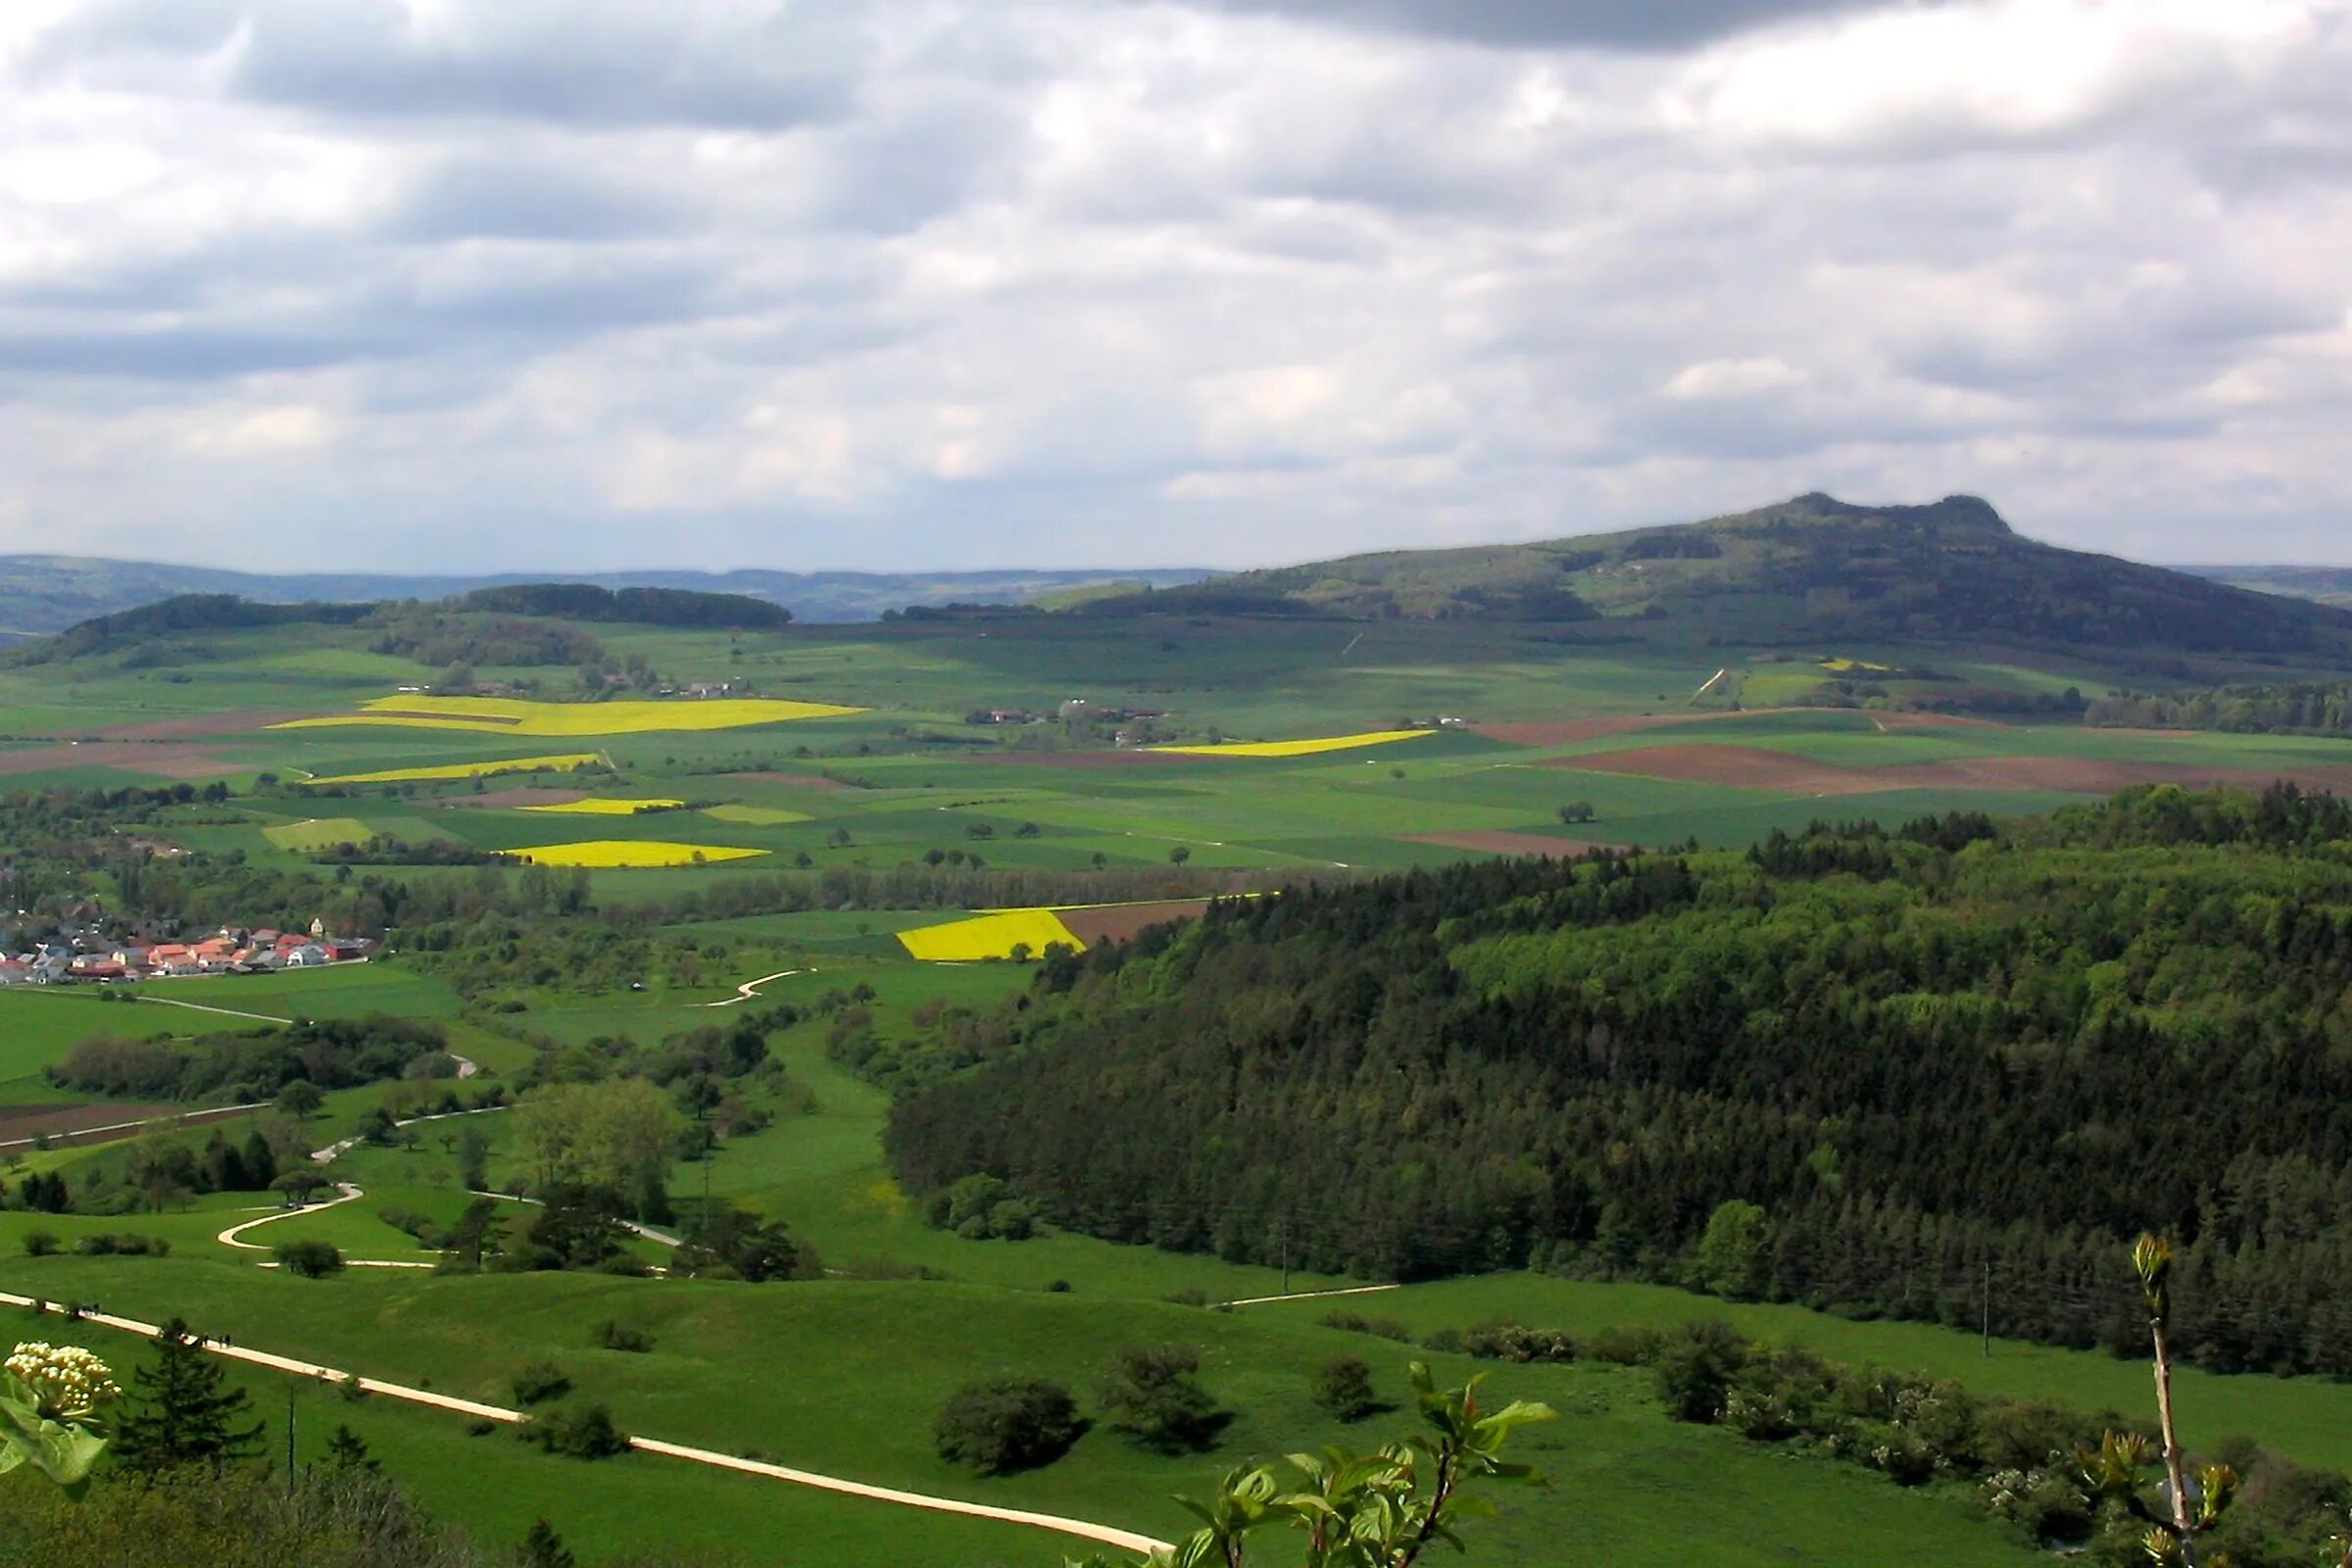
(861, 959)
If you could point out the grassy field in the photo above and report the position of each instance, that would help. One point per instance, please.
(817, 1374)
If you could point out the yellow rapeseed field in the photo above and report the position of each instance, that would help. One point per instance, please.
(990, 936)
(611, 854)
(513, 716)
(1327, 743)
(608, 806)
(513, 764)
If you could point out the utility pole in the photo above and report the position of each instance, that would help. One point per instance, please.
(290, 1438)
(1989, 1307)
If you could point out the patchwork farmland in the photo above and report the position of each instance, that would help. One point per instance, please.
(863, 855)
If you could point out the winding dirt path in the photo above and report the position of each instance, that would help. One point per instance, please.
(228, 1237)
(750, 988)
(1084, 1529)
(1310, 1295)
(225, 1013)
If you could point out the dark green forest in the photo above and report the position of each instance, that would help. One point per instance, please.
(1916, 1072)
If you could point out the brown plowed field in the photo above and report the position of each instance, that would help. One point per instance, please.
(74, 1124)
(1120, 922)
(133, 757)
(1570, 731)
(1501, 842)
(1755, 768)
(2096, 777)
(520, 795)
(191, 727)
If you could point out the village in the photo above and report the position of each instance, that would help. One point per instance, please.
(92, 956)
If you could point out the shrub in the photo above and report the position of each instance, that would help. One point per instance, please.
(1001, 1424)
(310, 1260)
(1506, 1341)
(539, 1383)
(614, 1337)
(39, 1244)
(1057, 1287)
(121, 1245)
(1695, 1364)
(587, 1434)
(1387, 1328)
(1154, 1397)
(1622, 1346)
(1344, 1387)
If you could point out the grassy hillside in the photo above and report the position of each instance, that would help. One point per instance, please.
(40, 594)
(1814, 567)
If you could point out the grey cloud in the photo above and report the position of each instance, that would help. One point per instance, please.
(478, 197)
(1638, 26)
(613, 63)
(182, 354)
(1044, 279)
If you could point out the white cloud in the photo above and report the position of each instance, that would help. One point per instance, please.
(1040, 280)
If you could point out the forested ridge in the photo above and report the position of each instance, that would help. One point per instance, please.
(1853, 1067)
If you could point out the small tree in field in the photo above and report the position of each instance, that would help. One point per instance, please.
(1007, 1424)
(181, 1414)
(1344, 1387)
(2117, 1469)
(1378, 1510)
(1152, 1395)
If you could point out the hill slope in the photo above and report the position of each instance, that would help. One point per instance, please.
(2330, 585)
(41, 593)
(1811, 568)
(1954, 1046)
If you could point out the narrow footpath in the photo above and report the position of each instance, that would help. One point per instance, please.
(1084, 1529)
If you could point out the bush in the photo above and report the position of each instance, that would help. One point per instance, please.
(613, 1336)
(311, 1260)
(39, 1244)
(1005, 1424)
(587, 1434)
(1695, 1364)
(1154, 1397)
(1387, 1328)
(1506, 1341)
(1344, 1387)
(1623, 1347)
(123, 1245)
(539, 1383)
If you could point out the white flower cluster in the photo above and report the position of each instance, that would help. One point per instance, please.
(69, 1383)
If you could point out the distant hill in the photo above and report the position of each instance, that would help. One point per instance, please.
(1811, 568)
(2328, 585)
(41, 593)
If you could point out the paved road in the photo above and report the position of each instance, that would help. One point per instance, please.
(1084, 1529)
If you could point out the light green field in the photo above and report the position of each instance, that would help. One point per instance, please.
(812, 1373)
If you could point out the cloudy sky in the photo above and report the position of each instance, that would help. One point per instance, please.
(444, 285)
